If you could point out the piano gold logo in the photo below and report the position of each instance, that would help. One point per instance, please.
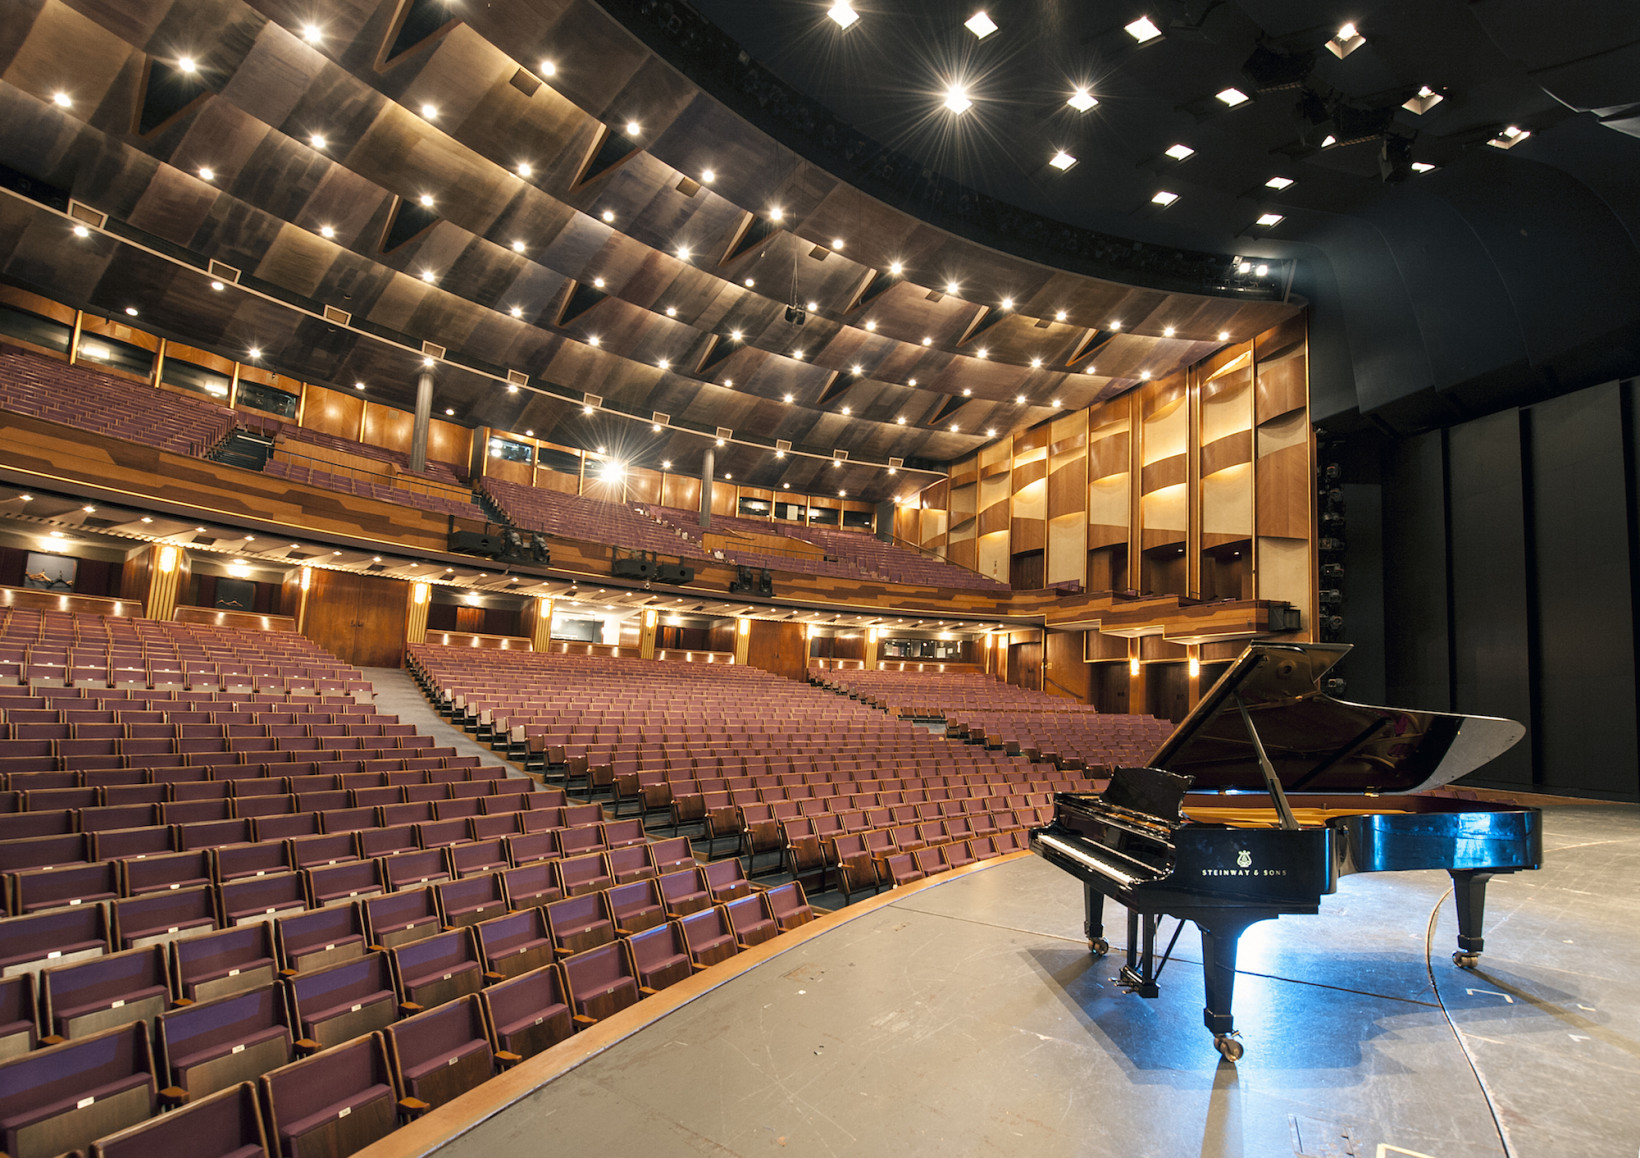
(1244, 859)
(1244, 868)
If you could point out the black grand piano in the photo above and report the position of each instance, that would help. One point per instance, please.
(1266, 794)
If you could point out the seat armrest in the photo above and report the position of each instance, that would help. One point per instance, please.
(582, 1020)
(53, 1039)
(413, 1108)
(306, 1046)
(491, 976)
(289, 972)
(507, 1058)
(183, 1001)
(173, 1096)
(646, 991)
(406, 1008)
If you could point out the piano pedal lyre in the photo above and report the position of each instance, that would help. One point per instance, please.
(1143, 969)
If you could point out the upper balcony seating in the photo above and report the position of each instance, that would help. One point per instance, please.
(101, 403)
(586, 519)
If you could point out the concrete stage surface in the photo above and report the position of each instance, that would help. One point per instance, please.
(968, 1018)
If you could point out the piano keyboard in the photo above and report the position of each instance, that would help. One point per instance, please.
(1104, 866)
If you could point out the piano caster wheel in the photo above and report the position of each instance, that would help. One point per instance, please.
(1466, 960)
(1229, 1048)
(1100, 946)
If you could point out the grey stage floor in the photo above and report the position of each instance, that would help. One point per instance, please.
(970, 1019)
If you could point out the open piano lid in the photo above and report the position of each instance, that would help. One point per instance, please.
(1316, 743)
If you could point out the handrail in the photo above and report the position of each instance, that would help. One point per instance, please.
(404, 481)
(1049, 679)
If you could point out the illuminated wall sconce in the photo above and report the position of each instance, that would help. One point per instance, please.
(1195, 667)
(1133, 666)
(650, 617)
(872, 635)
(307, 578)
(168, 560)
(418, 593)
(745, 626)
(542, 604)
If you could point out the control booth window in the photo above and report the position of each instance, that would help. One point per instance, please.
(789, 512)
(34, 329)
(197, 379)
(266, 398)
(509, 451)
(857, 520)
(754, 508)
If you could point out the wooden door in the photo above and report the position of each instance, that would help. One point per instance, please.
(358, 618)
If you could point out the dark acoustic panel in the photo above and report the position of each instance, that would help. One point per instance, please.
(1491, 654)
(1417, 668)
(1586, 735)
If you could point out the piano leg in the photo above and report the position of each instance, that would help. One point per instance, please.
(1095, 923)
(1469, 890)
(1219, 980)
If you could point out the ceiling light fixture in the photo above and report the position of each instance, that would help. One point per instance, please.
(609, 216)
(683, 253)
(1509, 137)
(633, 128)
(516, 311)
(188, 65)
(1422, 101)
(707, 176)
(1081, 100)
(980, 24)
(843, 15)
(957, 100)
(216, 285)
(1164, 198)
(81, 231)
(430, 111)
(594, 340)
(525, 169)
(671, 311)
(1345, 41)
(1181, 152)
(900, 421)
(1232, 97)
(254, 353)
(1421, 166)
(836, 243)
(1224, 335)
(426, 200)
(549, 68)
(871, 326)
(1269, 219)
(1062, 161)
(317, 141)
(1143, 30)
(1279, 183)
(327, 231)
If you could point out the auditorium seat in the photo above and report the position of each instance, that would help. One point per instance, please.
(583, 874)
(342, 1001)
(213, 1045)
(514, 943)
(787, 906)
(709, 937)
(683, 892)
(37, 890)
(319, 938)
(750, 921)
(155, 918)
(259, 898)
(436, 969)
(225, 962)
(631, 863)
(578, 923)
(601, 982)
(669, 855)
(347, 881)
(64, 1097)
(532, 884)
(440, 1054)
(53, 938)
(530, 1013)
(19, 1016)
(399, 918)
(332, 1104)
(412, 870)
(89, 996)
(724, 880)
(660, 957)
(227, 1124)
(470, 900)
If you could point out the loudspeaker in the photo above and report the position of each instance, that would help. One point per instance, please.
(675, 573)
(640, 567)
(474, 543)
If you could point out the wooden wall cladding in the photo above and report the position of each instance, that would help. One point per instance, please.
(1167, 472)
(1283, 495)
(779, 648)
(1226, 452)
(965, 553)
(1027, 535)
(681, 491)
(965, 472)
(514, 472)
(334, 413)
(1036, 438)
(554, 480)
(994, 518)
(1068, 488)
(1108, 455)
(389, 428)
(1029, 472)
(447, 442)
(1282, 386)
(643, 486)
(1065, 673)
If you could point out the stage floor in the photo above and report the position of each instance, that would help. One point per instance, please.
(969, 1019)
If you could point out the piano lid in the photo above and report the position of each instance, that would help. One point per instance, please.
(1316, 743)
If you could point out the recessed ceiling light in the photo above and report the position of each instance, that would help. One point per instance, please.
(1328, 141)
(317, 140)
(358, 385)
(81, 231)
(847, 410)
(1279, 183)
(1421, 166)
(954, 428)
(1261, 270)
(254, 353)
(1060, 315)
(1245, 267)
(609, 216)
(720, 442)
(131, 310)
(788, 397)
(1232, 97)
(990, 432)
(1056, 404)
(956, 99)
(1019, 400)
(683, 253)
(516, 311)
(671, 311)
(785, 486)
(1092, 369)
(911, 382)
(837, 243)
(427, 362)
(871, 326)
(728, 478)
(1422, 101)
(327, 231)
(1181, 152)
(1143, 30)
(1145, 375)
(1062, 161)
(813, 305)
(1509, 137)
(594, 340)
(426, 200)
(663, 363)
(525, 169)
(776, 213)
(1224, 335)
(900, 421)
(1268, 219)
(729, 382)
(735, 335)
(429, 111)
(1345, 41)
(967, 392)
(980, 24)
(633, 128)
(1164, 198)
(857, 369)
(707, 176)
(449, 410)
(427, 275)
(216, 285)
(586, 409)
(1168, 332)
(1036, 363)
(207, 174)
(798, 354)
(748, 283)
(187, 64)
(1081, 100)
(842, 14)
(548, 68)
(666, 464)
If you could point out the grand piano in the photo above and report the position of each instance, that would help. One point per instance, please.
(1265, 795)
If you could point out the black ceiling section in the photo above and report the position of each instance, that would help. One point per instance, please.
(406, 221)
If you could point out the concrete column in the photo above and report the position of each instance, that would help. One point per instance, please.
(708, 465)
(424, 420)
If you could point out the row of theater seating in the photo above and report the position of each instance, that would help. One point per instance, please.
(89, 399)
(387, 1033)
(985, 710)
(296, 437)
(579, 517)
(371, 487)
